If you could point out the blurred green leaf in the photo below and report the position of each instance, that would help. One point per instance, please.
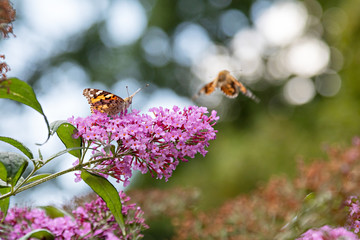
(40, 155)
(15, 165)
(3, 172)
(18, 90)
(42, 234)
(4, 203)
(37, 177)
(18, 145)
(108, 193)
(53, 212)
(310, 197)
(65, 132)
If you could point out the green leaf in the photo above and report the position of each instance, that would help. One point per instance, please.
(20, 181)
(3, 184)
(3, 172)
(65, 132)
(40, 155)
(15, 165)
(310, 197)
(55, 125)
(4, 203)
(18, 145)
(108, 193)
(53, 212)
(37, 177)
(42, 234)
(20, 91)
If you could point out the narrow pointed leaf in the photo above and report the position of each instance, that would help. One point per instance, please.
(4, 203)
(15, 165)
(40, 155)
(65, 132)
(108, 193)
(20, 91)
(38, 177)
(18, 145)
(53, 212)
(42, 234)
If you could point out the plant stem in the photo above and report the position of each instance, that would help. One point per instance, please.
(30, 185)
(55, 175)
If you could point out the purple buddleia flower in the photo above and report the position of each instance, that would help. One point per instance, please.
(353, 220)
(328, 233)
(91, 221)
(154, 143)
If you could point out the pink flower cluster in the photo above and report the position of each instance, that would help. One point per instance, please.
(146, 143)
(328, 233)
(353, 221)
(94, 220)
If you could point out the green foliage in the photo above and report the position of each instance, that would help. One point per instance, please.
(18, 145)
(65, 132)
(20, 91)
(108, 193)
(41, 234)
(38, 177)
(3, 172)
(4, 203)
(53, 212)
(15, 165)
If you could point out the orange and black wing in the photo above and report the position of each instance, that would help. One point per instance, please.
(102, 101)
(207, 89)
(246, 91)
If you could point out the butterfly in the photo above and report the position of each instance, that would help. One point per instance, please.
(228, 84)
(107, 102)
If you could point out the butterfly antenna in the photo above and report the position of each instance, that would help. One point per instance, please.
(139, 90)
(127, 90)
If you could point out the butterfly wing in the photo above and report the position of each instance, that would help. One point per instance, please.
(229, 85)
(104, 101)
(207, 89)
(246, 91)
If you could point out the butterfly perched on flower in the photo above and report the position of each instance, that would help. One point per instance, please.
(107, 102)
(228, 84)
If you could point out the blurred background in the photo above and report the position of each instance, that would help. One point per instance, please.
(301, 58)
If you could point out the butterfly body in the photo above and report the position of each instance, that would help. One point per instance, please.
(229, 85)
(107, 102)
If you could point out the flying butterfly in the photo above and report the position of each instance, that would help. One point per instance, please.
(229, 85)
(107, 102)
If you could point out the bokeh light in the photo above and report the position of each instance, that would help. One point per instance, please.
(126, 22)
(57, 26)
(308, 57)
(282, 22)
(156, 46)
(328, 84)
(299, 91)
(190, 41)
(232, 21)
